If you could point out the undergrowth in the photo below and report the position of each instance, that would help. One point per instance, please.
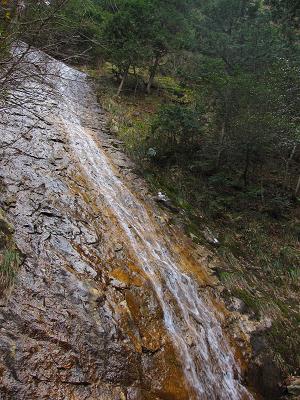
(10, 257)
(258, 228)
(8, 268)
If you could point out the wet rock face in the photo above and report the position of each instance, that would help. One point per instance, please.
(106, 304)
(82, 321)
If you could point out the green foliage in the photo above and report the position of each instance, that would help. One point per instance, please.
(10, 257)
(67, 29)
(139, 33)
(286, 14)
(8, 268)
(176, 129)
(125, 35)
(252, 303)
(243, 72)
(239, 33)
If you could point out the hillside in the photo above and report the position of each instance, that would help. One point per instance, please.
(149, 199)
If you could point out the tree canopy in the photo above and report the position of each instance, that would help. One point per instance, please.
(239, 58)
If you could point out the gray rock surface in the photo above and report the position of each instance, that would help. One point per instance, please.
(67, 330)
(100, 309)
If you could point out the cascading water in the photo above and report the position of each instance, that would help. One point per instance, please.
(208, 362)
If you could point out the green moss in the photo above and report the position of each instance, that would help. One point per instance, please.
(8, 268)
(10, 257)
(228, 278)
(251, 302)
(283, 338)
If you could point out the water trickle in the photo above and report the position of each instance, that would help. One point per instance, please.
(196, 332)
(192, 323)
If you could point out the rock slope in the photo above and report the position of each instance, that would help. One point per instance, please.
(109, 302)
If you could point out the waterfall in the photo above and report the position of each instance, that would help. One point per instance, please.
(190, 319)
(207, 359)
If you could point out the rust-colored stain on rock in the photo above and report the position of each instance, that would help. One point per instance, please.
(109, 304)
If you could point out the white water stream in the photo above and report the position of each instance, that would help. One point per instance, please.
(207, 359)
(197, 335)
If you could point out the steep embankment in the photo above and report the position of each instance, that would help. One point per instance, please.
(110, 302)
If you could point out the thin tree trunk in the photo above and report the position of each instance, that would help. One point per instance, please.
(136, 81)
(262, 194)
(288, 163)
(153, 71)
(220, 149)
(122, 82)
(247, 161)
(297, 190)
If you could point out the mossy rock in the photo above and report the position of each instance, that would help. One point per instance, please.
(6, 231)
(10, 256)
(5, 227)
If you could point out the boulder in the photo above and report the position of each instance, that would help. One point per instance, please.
(293, 386)
(164, 200)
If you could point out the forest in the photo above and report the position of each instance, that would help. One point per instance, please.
(235, 66)
(205, 96)
(234, 112)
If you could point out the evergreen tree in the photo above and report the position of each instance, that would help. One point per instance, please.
(139, 33)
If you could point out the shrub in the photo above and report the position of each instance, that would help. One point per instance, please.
(175, 132)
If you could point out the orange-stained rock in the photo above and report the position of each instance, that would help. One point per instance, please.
(104, 284)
